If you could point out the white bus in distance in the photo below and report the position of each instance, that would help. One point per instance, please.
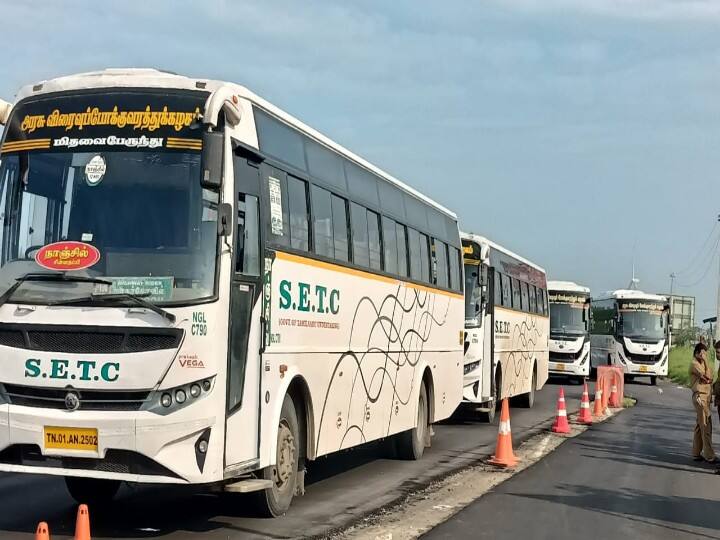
(197, 288)
(631, 330)
(506, 326)
(569, 329)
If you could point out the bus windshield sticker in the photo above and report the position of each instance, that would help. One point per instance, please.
(276, 214)
(159, 288)
(67, 255)
(95, 170)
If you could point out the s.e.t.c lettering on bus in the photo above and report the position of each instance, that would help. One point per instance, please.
(305, 297)
(80, 370)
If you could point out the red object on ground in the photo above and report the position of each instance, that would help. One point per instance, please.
(584, 417)
(561, 422)
(504, 455)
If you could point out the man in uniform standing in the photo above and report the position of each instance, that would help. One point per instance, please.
(701, 383)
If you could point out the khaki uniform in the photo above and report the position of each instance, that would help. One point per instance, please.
(702, 392)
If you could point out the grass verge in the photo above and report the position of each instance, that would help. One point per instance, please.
(680, 359)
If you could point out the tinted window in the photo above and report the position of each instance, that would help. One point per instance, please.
(441, 264)
(498, 289)
(516, 293)
(279, 140)
(533, 299)
(322, 222)
(340, 228)
(297, 202)
(389, 234)
(362, 184)
(506, 301)
(391, 199)
(416, 212)
(455, 269)
(524, 295)
(425, 258)
(402, 249)
(541, 302)
(374, 240)
(361, 249)
(415, 254)
(325, 164)
(436, 222)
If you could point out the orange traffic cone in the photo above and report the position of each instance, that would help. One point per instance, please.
(504, 455)
(614, 400)
(605, 395)
(42, 532)
(584, 417)
(561, 423)
(598, 406)
(82, 524)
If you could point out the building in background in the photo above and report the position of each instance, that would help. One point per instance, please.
(682, 313)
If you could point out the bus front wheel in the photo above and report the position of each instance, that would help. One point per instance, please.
(91, 491)
(410, 444)
(275, 501)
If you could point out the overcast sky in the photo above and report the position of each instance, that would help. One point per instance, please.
(573, 132)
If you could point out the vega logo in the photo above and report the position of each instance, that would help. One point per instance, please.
(305, 297)
(80, 370)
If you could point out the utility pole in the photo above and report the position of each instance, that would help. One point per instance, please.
(672, 282)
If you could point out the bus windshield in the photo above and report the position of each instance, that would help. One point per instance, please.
(144, 212)
(642, 324)
(568, 319)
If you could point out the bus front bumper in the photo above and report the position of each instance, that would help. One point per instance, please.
(131, 446)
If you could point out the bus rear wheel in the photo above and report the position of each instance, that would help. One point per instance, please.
(410, 444)
(91, 491)
(653, 380)
(528, 400)
(275, 501)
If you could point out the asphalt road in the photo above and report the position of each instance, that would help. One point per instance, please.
(630, 477)
(340, 489)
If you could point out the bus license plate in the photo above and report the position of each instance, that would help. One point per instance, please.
(60, 438)
(559, 367)
(643, 369)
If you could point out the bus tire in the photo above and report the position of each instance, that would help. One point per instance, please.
(91, 491)
(528, 400)
(489, 416)
(275, 501)
(653, 380)
(410, 444)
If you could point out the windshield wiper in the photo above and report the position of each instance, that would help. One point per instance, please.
(139, 299)
(44, 276)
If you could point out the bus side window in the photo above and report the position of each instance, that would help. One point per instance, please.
(390, 245)
(441, 263)
(497, 298)
(402, 249)
(516, 293)
(374, 240)
(425, 258)
(506, 291)
(361, 248)
(455, 268)
(533, 299)
(247, 257)
(299, 217)
(524, 296)
(340, 228)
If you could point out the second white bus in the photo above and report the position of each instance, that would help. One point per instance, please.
(569, 329)
(506, 326)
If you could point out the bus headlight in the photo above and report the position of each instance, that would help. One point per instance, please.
(172, 399)
(470, 367)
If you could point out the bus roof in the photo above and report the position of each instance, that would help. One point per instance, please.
(154, 78)
(569, 286)
(632, 294)
(482, 240)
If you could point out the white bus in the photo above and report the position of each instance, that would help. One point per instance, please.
(569, 329)
(200, 289)
(506, 326)
(630, 330)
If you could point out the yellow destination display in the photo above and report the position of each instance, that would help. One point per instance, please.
(62, 438)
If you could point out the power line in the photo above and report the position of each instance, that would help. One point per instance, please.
(700, 252)
(707, 268)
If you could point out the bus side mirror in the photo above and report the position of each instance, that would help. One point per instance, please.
(225, 216)
(211, 159)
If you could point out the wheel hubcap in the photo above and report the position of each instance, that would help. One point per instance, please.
(285, 467)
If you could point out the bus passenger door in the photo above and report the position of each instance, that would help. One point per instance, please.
(486, 277)
(242, 440)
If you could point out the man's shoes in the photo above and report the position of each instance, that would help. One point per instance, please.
(713, 460)
(698, 458)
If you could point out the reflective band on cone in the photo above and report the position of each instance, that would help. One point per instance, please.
(598, 405)
(42, 532)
